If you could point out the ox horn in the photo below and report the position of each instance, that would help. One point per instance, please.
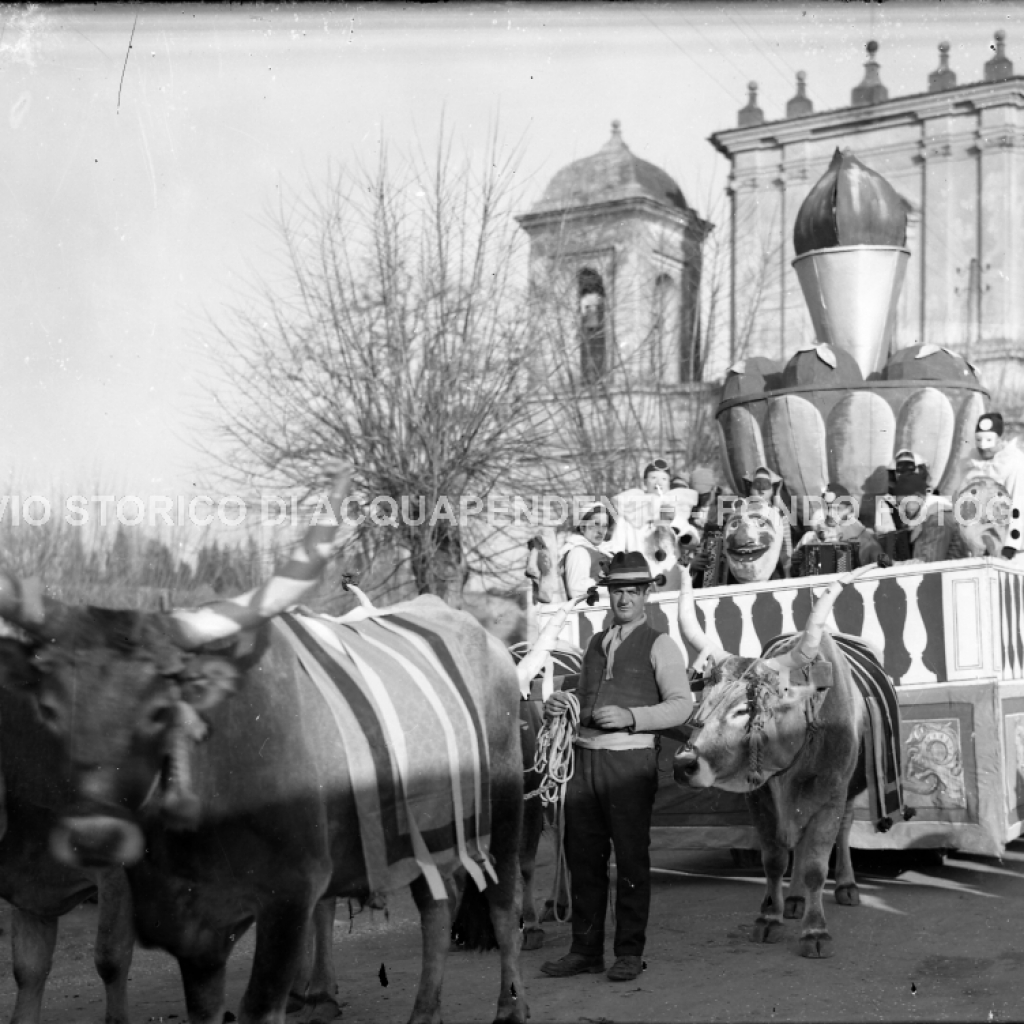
(194, 627)
(534, 660)
(807, 649)
(690, 627)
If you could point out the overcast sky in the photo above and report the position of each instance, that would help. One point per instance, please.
(134, 181)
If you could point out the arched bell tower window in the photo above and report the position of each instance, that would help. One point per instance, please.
(593, 352)
(665, 329)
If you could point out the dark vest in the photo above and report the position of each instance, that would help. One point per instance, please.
(632, 684)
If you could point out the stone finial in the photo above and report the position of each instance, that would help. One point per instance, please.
(870, 90)
(751, 113)
(800, 104)
(944, 77)
(999, 66)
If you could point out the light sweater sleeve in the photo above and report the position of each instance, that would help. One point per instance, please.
(577, 572)
(669, 664)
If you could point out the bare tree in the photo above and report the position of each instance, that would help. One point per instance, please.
(397, 336)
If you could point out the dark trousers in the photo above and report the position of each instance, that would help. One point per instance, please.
(608, 803)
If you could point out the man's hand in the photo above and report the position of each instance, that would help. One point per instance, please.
(693, 557)
(1008, 553)
(613, 717)
(556, 705)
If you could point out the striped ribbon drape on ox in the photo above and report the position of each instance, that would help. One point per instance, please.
(900, 615)
(414, 741)
(881, 743)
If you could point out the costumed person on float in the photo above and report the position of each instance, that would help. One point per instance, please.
(1001, 461)
(648, 519)
(831, 523)
(633, 684)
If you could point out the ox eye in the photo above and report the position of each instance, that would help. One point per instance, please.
(739, 714)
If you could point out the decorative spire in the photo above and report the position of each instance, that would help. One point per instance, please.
(751, 113)
(870, 90)
(615, 141)
(999, 66)
(945, 77)
(800, 104)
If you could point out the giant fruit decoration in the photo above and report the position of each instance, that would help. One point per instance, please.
(834, 416)
(849, 238)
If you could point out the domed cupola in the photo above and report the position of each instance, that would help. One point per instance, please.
(612, 174)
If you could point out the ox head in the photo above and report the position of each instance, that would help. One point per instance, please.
(756, 712)
(126, 692)
(752, 540)
(982, 511)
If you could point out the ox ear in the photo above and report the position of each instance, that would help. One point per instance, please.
(210, 680)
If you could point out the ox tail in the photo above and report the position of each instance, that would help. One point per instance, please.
(473, 928)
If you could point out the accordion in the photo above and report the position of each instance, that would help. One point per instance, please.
(823, 559)
(712, 544)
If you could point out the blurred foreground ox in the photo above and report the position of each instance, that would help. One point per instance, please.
(37, 779)
(207, 757)
(788, 730)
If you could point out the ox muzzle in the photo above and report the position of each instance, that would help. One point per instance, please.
(690, 769)
(97, 838)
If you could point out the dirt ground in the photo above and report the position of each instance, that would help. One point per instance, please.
(928, 943)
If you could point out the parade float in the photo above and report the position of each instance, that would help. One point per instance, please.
(832, 419)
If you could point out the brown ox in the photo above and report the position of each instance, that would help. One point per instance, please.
(37, 779)
(786, 730)
(270, 812)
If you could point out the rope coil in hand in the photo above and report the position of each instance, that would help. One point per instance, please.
(555, 761)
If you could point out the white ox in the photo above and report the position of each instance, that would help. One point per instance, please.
(786, 730)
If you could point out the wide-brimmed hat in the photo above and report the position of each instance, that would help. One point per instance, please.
(628, 569)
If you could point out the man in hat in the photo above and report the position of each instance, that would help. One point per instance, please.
(1002, 461)
(632, 685)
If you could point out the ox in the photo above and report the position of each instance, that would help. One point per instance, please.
(37, 779)
(260, 821)
(786, 729)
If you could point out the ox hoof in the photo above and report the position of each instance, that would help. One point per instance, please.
(794, 908)
(816, 947)
(533, 938)
(768, 931)
(848, 895)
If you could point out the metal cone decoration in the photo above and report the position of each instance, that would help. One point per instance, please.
(849, 237)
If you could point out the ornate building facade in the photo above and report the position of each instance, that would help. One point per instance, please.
(618, 234)
(954, 152)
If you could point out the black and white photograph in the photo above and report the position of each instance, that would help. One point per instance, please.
(512, 511)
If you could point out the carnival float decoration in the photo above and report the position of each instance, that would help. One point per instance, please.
(832, 417)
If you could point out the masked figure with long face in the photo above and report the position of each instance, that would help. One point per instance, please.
(757, 541)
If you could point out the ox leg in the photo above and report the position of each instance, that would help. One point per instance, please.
(847, 893)
(768, 925)
(505, 895)
(32, 942)
(436, 929)
(315, 989)
(203, 982)
(796, 898)
(812, 855)
(281, 930)
(115, 943)
(533, 825)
